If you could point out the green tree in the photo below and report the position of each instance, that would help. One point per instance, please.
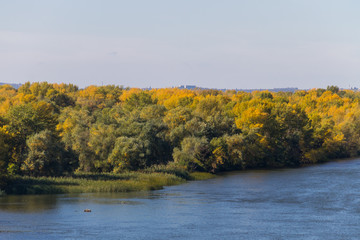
(74, 128)
(23, 121)
(193, 154)
(46, 156)
(129, 153)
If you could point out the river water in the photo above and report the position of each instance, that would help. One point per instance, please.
(317, 202)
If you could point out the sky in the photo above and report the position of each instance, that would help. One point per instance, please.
(230, 44)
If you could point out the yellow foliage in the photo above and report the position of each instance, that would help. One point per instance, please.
(251, 118)
(127, 93)
(171, 97)
(338, 137)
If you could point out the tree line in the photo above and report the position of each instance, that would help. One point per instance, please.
(56, 129)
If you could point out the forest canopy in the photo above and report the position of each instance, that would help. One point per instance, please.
(57, 129)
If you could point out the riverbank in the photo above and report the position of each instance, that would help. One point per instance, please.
(248, 204)
(99, 182)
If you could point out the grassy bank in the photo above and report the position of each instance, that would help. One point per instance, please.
(104, 182)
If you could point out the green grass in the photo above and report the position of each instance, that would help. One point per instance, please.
(92, 183)
(176, 170)
(201, 175)
(151, 179)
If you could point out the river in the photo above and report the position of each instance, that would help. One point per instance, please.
(316, 202)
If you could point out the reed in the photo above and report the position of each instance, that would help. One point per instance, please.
(201, 176)
(103, 182)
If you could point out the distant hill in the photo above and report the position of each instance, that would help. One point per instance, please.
(15, 85)
(289, 89)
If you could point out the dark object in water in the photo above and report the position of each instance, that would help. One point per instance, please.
(87, 210)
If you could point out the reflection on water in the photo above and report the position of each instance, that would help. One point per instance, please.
(317, 202)
(39, 203)
(28, 204)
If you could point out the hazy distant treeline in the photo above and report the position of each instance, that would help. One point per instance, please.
(54, 129)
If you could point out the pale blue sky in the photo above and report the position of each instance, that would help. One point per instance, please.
(164, 43)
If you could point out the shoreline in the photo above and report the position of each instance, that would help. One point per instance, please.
(122, 182)
(98, 183)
